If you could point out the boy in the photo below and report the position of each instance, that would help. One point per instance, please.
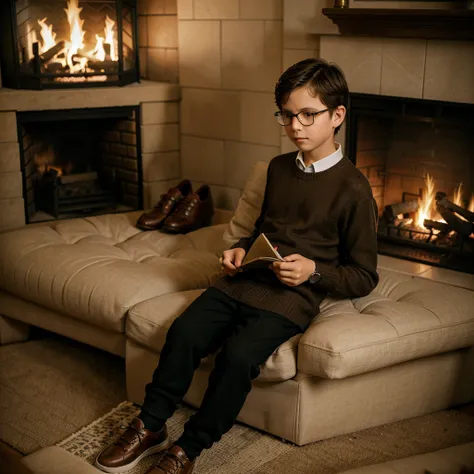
(319, 210)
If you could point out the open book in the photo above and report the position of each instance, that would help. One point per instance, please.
(260, 255)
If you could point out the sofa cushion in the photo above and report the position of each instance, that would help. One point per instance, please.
(96, 268)
(249, 205)
(149, 321)
(404, 318)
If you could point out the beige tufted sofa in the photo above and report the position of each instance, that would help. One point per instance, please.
(404, 350)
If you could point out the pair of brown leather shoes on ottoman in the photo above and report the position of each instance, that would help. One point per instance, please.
(136, 443)
(180, 210)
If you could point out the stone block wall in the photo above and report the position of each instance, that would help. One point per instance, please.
(158, 40)
(230, 56)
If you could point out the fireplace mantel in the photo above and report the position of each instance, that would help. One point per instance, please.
(404, 23)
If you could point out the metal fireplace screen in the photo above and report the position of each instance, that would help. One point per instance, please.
(68, 43)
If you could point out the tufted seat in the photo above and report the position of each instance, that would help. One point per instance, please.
(107, 272)
(404, 318)
(96, 269)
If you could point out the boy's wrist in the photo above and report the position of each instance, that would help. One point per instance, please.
(315, 276)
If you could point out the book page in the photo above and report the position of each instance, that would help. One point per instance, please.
(261, 250)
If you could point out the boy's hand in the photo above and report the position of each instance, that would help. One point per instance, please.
(294, 270)
(231, 260)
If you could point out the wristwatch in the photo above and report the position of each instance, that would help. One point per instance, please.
(315, 277)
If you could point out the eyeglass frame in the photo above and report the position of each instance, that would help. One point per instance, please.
(313, 114)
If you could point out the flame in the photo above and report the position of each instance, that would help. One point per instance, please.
(58, 169)
(457, 195)
(109, 37)
(76, 42)
(73, 56)
(425, 204)
(49, 37)
(471, 204)
(99, 51)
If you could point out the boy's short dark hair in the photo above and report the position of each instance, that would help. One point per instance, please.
(324, 80)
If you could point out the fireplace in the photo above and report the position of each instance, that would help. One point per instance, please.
(418, 156)
(68, 43)
(78, 163)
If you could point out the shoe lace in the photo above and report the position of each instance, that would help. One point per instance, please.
(164, 201)
(170, 463)
(123, 442)
(184, 206)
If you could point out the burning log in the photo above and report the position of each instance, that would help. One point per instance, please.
(441, 226)
(447, 209)
(99, 65)
(393, 210)
(47, 56)
(443, 202)
(55, 67)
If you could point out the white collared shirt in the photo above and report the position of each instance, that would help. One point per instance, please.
(321, 165)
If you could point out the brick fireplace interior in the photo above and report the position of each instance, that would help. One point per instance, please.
(81, 162)
(410, 150)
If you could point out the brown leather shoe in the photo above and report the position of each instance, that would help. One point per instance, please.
(194, 211)
(164, 207)
(173, 461)
(134, 444)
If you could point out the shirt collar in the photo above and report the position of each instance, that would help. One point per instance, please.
(321, 165)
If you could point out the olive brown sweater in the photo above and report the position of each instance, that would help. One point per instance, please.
(330, 217)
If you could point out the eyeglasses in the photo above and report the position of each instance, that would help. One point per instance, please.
(304, 118)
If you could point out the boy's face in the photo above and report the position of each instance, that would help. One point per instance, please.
(316, 139)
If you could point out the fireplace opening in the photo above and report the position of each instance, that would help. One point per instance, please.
(418, 156)
(68, 43)
(78, 163)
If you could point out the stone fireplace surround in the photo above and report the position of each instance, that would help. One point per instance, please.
(159, 135)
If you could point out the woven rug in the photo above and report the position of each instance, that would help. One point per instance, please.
(241, 450)
(51, 389)
(246, 450)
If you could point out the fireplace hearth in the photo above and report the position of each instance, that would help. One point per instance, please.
(418, 156)
(68, 43)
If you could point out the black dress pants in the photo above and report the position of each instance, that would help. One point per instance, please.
(246, 337)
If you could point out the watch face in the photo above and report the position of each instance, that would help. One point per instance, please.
(314, 278)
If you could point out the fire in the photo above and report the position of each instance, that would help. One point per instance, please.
(457, 195)
(49, 37)
(109, 37)
(471, 204)
(99, 51)
(425, 205)
(76, 41)
(73, 55)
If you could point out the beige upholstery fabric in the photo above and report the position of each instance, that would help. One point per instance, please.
(13, 331)
(307, 408)
(404, 318)
(444, 461)
(148, 323)
(55, 460)
(36, 315)
(249, 205)
(95, 269)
